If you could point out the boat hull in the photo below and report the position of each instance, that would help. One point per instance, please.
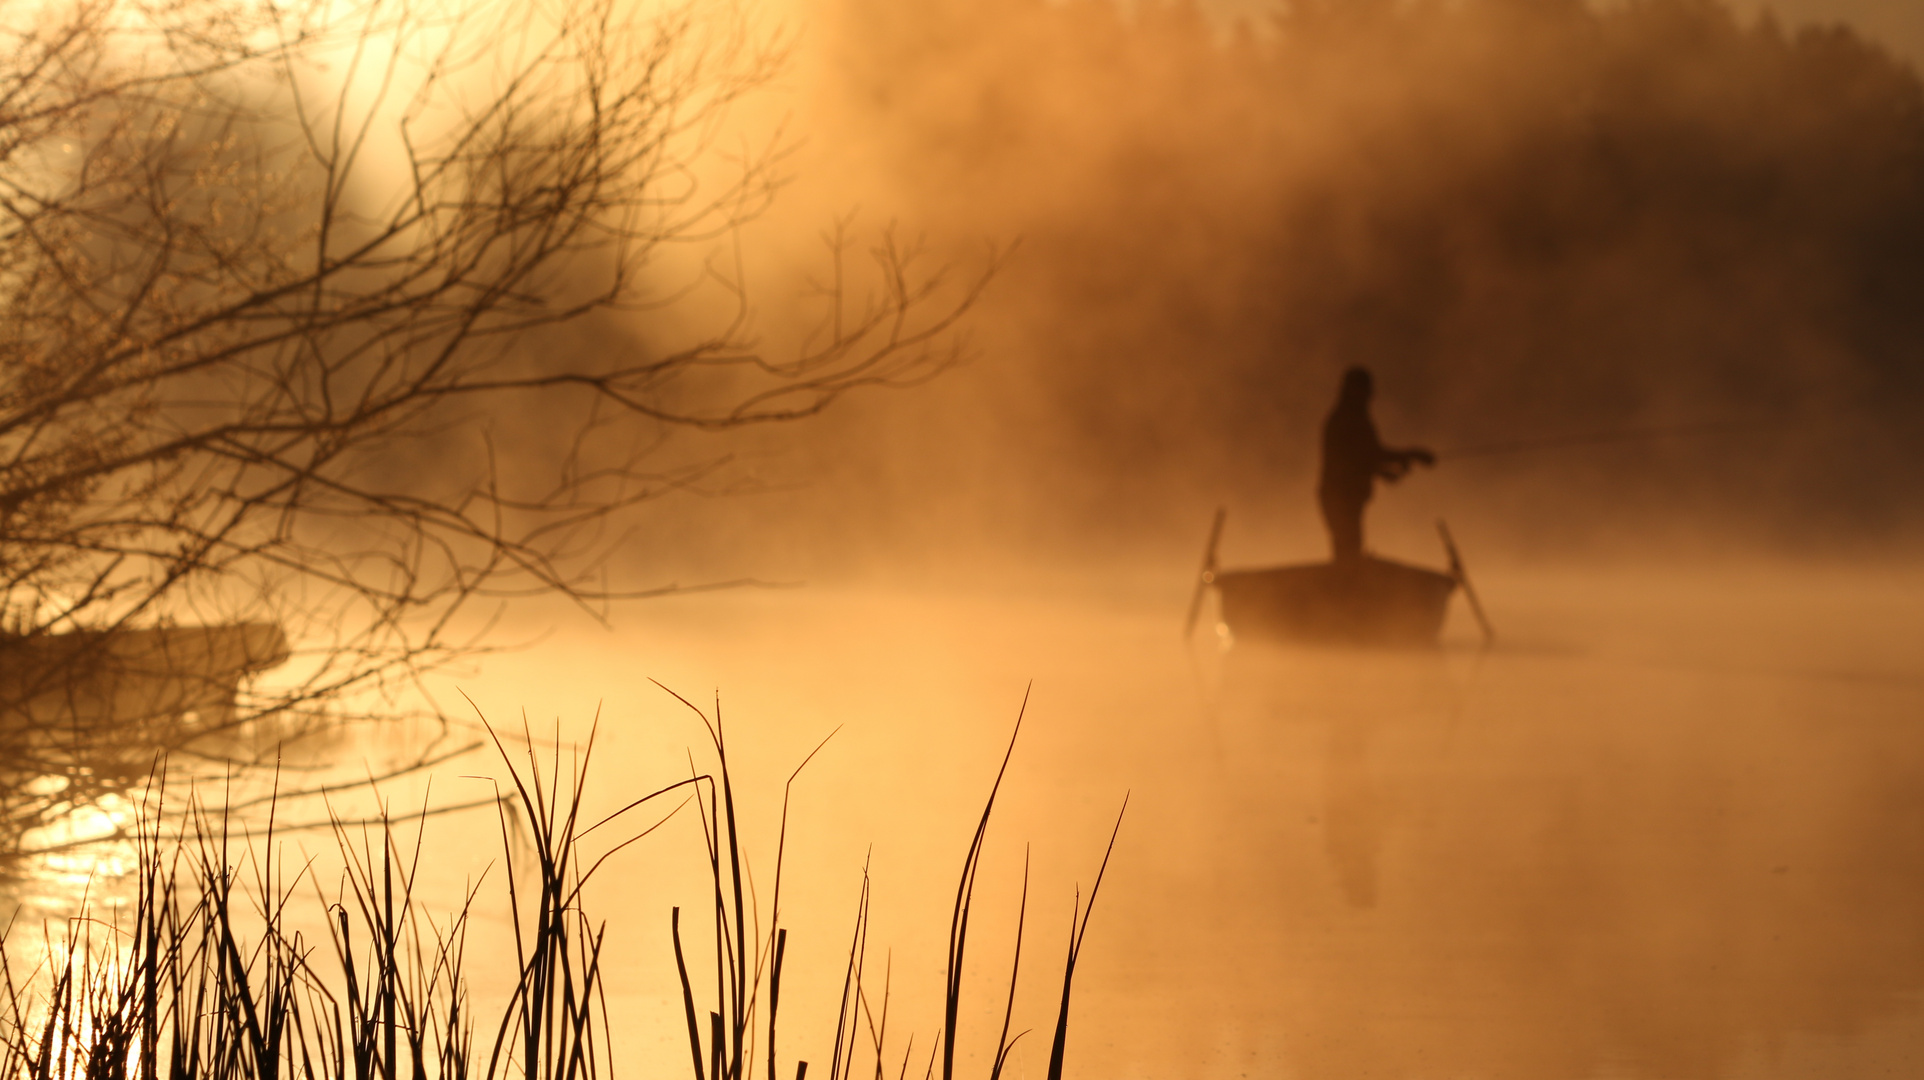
(133, 676)
(1365, 601)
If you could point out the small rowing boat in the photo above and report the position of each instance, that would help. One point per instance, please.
(1364, 600)
(1360, 601)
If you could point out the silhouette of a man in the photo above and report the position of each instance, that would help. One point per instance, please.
(1353, 459)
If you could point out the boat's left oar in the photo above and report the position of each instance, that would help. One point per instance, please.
(1207, 576)
(1463, 578)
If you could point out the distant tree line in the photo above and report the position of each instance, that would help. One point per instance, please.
(1532, 217)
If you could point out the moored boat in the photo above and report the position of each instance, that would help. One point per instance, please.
(133, 675)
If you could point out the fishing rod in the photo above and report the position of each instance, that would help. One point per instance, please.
(1518, 446)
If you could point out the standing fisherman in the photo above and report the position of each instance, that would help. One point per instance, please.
(1353, 458)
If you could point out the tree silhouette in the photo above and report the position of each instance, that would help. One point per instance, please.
(1530, 217)
(285, 350)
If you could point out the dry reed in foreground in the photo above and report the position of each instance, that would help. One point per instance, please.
(212, 982)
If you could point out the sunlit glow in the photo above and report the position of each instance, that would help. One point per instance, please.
(1645, 275)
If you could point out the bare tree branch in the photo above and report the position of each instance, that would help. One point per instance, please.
(266, 276)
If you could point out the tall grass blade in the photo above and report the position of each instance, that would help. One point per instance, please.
(1076, 932)
(964, 896)
(687, 993)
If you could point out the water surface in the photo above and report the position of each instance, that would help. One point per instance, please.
(1671, 825)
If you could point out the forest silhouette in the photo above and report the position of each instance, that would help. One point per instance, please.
(1531, 218)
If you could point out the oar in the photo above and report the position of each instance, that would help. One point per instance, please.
(1208, 575)
(1463, 578)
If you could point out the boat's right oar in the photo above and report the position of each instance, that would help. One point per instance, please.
(1463, 578)
(1207, 576)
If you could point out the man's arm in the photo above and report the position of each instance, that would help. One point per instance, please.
(1395, 464)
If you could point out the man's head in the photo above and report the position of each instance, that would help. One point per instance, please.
(1357, 386)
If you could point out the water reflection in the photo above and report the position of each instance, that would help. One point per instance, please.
(1671, 828)
(1577, 864)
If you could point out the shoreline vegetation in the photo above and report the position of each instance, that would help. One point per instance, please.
(213, 978)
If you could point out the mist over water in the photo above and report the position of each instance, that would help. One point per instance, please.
(1683, 231)
(1671, 824)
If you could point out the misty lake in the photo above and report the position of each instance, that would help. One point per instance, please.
(1671, 825)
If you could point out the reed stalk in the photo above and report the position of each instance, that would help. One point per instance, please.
(210, 979)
